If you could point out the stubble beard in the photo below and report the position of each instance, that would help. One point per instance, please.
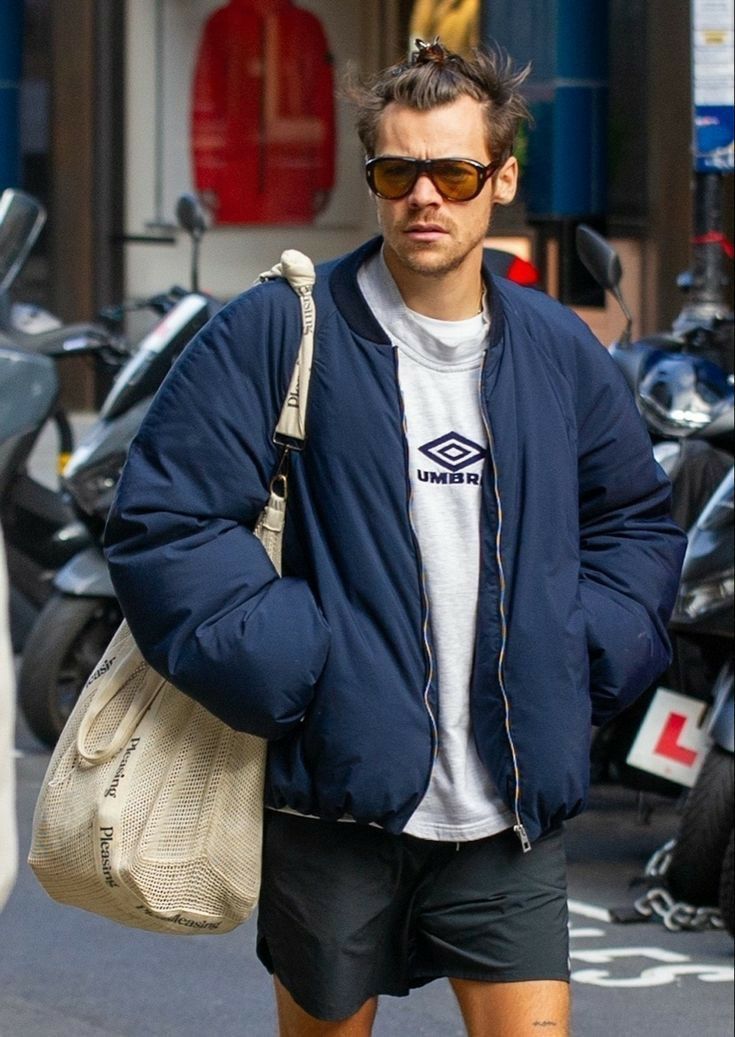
(420, 261)
(424, 260)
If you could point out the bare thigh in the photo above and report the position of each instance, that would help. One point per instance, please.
(523, 1009)
(293, 1021)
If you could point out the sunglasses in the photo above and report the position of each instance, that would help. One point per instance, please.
(456, 179)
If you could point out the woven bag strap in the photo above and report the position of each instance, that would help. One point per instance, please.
(290, 433)
(298, 270)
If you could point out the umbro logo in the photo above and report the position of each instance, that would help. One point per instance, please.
(453, 452)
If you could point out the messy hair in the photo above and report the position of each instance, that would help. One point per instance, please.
(434, 76)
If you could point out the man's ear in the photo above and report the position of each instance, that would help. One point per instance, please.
(505, 182)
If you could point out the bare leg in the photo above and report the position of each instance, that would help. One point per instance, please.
(293, 1021)
(528, 1009)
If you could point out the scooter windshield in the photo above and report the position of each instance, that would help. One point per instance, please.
(21, 220)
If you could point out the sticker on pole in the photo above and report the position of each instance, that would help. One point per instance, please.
(713, 80)
(672, 741)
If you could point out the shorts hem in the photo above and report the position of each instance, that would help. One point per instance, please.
(324, 1014)
(335, 1014)
(482, 977)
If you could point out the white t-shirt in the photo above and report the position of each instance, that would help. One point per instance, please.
(439, 365)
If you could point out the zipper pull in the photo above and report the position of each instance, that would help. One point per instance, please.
(520, 831)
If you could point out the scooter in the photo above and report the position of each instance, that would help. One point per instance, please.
(82, 612)
(28, 389)
(681, 735)
(32, 514)
(700, 866)
(682, 384)
(29, 327)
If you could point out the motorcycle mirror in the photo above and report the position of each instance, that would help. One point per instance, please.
(599, 257)
(190, 215)
(603, 262)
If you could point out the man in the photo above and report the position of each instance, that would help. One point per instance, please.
(478, 562)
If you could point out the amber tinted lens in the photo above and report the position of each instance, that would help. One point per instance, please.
(455, 179)
(393, 177)
(458, 181)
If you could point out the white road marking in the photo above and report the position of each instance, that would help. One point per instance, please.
(578, 907)
(658, 976)
(603, 956)
(675, 965)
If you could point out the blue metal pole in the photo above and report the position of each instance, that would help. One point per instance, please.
(714, 158)
(566, 43)
(11, 60)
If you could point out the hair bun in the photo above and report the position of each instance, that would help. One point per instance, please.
(428, 53)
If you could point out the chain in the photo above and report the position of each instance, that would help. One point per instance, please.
(675, 914)
(659, 862)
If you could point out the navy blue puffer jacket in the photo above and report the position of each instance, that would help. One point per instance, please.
(333, 661)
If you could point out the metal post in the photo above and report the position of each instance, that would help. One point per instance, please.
(159, 225)
(712, 83)
(708, 269)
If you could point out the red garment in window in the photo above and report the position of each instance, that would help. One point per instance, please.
(263, 113)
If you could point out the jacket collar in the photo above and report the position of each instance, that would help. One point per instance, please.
(352, 305)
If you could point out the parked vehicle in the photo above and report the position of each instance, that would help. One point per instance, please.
(28, 326)
(699, 870)
(32, 514)
(40, 528)
(515, 268)
(28, 390)
(683, 384)
(82, 612)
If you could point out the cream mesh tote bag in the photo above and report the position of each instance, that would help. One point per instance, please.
(151, 809)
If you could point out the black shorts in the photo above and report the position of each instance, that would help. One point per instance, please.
(348, 911)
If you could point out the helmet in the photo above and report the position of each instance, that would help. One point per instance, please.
(681, 394)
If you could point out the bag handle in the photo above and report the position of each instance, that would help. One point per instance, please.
(298, 270)
(124, 731)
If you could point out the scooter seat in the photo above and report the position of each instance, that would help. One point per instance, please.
(64, 341)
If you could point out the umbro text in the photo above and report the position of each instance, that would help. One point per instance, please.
(468, 478)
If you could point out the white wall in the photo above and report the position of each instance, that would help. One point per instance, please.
(232, 257)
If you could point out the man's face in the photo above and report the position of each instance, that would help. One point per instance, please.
(424, 233)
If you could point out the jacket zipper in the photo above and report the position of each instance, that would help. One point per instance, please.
(424, 593)
(518, 827)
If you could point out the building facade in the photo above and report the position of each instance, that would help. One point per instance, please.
(109, 138)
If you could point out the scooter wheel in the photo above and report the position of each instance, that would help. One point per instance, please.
(62, 649)
(696, 861)
(727, 887)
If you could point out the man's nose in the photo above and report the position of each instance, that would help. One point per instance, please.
(424, 192)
